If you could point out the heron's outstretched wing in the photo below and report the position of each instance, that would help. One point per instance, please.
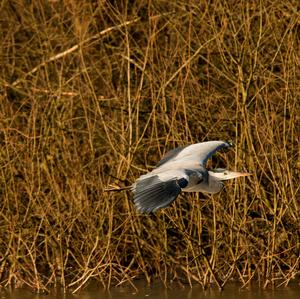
(207, 149)
(151, 193)
(170, 155)
(194, 154)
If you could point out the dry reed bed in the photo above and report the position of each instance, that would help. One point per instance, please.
(92, 94)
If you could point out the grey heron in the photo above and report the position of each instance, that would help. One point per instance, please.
(181, 169)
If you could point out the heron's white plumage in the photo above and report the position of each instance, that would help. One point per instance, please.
(182, 169)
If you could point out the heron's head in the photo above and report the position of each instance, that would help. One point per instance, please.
(224, 174)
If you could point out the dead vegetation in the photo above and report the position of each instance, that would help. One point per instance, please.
(93, 93)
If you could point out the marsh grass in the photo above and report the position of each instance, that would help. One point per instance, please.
(94, 93)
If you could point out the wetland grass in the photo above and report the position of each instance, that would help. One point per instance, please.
(94, 93)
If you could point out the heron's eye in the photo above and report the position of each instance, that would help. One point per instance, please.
(225, 173)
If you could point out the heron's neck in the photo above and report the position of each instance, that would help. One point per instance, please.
(214, 184)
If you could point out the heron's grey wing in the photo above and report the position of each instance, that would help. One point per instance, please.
(170, 155)
(151, 193)
(213, 147)
(200, 152)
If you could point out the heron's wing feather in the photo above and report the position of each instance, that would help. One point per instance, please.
(213, 148)
(170, 155)
(151, 193)
(201, 152)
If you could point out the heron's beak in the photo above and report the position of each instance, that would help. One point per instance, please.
(228, 174)
(239, 174)
(234, 174)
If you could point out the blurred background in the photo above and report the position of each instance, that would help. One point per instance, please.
(93, 93)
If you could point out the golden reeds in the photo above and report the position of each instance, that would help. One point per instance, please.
(93, 94)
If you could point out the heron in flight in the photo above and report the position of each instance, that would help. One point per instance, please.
(181, 169)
